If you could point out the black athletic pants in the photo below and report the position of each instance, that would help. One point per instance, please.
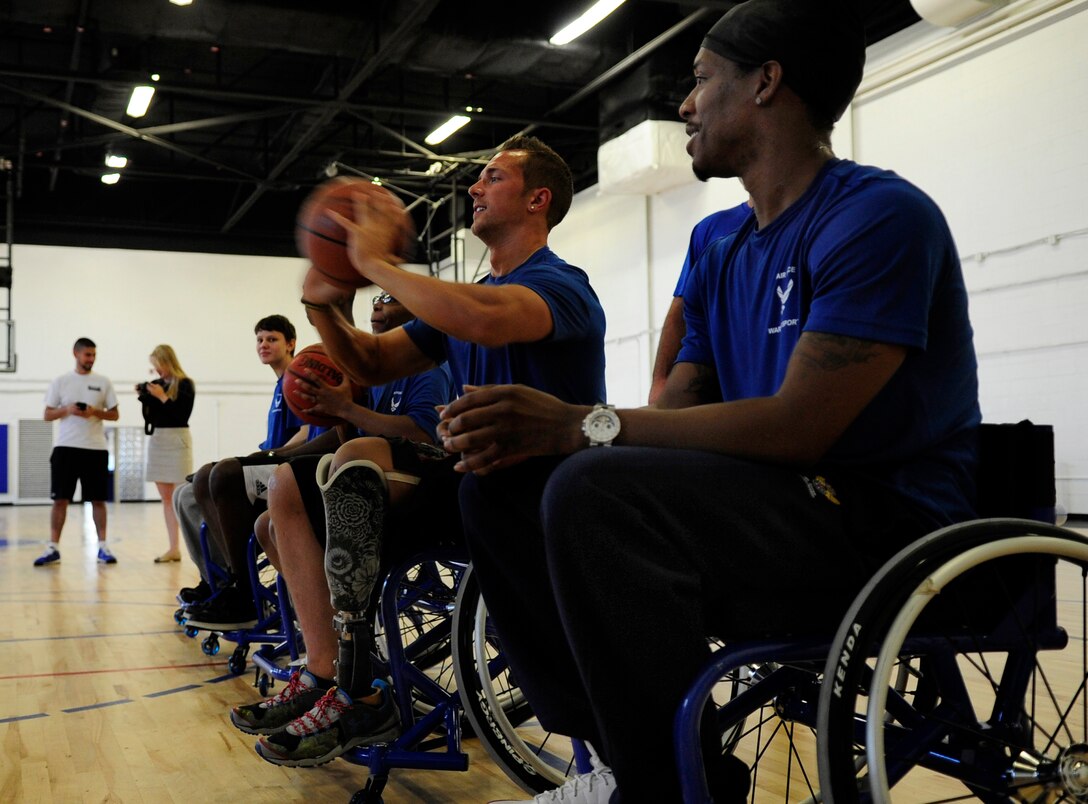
(606, 573)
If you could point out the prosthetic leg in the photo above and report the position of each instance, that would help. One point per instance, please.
(355, 507)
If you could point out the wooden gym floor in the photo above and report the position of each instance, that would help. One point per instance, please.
(104, 699)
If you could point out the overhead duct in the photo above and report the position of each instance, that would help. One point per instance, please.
(643, 139)
(648, 159)
(950, 13)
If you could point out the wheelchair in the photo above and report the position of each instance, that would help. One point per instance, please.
(274, 630)
(959, 672)
(427, 650)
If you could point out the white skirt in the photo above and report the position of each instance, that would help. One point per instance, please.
(169, 455)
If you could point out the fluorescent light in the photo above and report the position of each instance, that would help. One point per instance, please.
(116, 161)
(111, 178)
(446, 129)
(182, 2)
(140, 100)
(597, 12)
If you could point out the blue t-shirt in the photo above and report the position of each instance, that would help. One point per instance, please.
(568, 363)
(713, 227)
(865, 254)
(415, 397)
(282, 423)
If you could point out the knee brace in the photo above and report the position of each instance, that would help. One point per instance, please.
(355, 504)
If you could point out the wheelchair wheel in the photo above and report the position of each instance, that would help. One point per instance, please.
(765, 712)
(494, 704)
(961, 671)
(425, 592)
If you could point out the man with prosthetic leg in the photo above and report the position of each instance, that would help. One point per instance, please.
(534, 320)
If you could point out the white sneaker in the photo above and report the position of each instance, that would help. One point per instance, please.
(595, 787)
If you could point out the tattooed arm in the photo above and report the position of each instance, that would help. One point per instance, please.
(829, 381)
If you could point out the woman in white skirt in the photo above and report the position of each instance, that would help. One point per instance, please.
(167, 404)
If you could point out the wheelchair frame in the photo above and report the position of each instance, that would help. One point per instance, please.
(416, 636)
(274, 630)
(890, 695)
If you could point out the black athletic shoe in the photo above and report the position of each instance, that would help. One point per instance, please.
(195, 594)
(230, 610)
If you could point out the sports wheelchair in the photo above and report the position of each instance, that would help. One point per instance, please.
(434, 642)
(274, 629)
(959, 672)
(436, 645)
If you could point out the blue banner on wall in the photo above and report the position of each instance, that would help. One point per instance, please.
(3, 459)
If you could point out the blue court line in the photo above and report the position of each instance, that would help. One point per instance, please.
(171, 692)
(96, 706)
(218, 679)
(159, 694)
(23, 717)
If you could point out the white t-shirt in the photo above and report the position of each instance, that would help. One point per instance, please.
(97, 392)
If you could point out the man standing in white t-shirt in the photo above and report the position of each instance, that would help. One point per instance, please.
(81, 400)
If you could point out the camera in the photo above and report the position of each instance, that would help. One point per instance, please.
(142, 388)
(81, 405)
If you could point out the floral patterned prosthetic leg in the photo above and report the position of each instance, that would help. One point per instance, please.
(355, 505)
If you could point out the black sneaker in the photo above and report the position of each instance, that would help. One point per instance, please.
(195, 594)
(229, 610)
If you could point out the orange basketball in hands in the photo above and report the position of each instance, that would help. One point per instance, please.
(324, 241)
(312, 358)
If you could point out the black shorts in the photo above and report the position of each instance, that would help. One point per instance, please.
(89, 466)
(431, 518)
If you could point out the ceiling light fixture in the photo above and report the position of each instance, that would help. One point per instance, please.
(140, 100)
(182, 2)
(597, 12)
(447, 128)
(116, 161)
(111, 178)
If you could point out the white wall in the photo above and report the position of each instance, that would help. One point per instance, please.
(204, 305)
(990, 119)
(997, 134)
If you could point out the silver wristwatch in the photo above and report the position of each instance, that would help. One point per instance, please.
(601, 425)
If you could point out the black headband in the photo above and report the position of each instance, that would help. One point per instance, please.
(820, 45)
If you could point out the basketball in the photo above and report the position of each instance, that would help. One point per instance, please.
(314, 359)
(324, 241)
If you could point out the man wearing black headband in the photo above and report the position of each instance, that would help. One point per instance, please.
(822, 413)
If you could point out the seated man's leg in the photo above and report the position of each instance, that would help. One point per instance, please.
(299, 529)
(266, 537)
(501, 513)
(201, 490)
(652, 550)
(357, 495)
(300, 539)
(238, 488)
(221, 493)
(235, 513)
(190, 518)
(356, 489)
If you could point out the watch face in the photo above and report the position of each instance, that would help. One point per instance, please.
(602, 425)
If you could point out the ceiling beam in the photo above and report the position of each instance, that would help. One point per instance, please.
(371, 65)
(131, 132)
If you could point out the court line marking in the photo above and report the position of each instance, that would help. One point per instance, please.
(108, 670)
(96, 706)
(86, 636)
